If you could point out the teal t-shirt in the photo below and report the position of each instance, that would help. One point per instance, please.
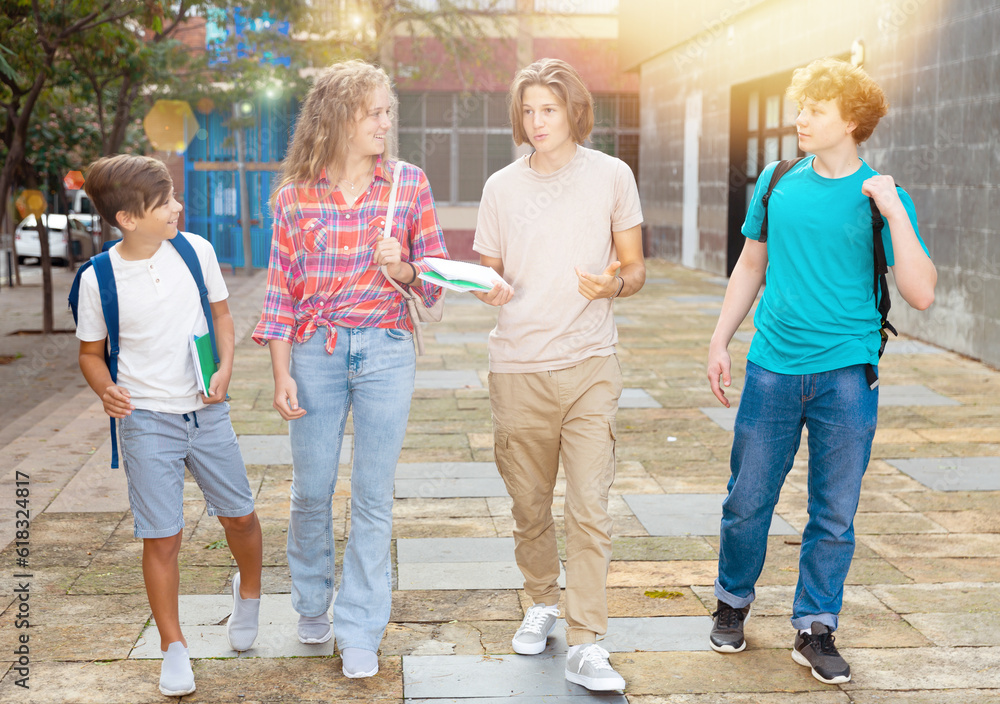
(818, 311)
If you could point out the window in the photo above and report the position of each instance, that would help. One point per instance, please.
(577, 7)
(458, 139)
(616, 128)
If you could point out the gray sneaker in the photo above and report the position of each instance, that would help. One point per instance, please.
(817, 651)
(727, 629)
(538, 623)
(589, 667)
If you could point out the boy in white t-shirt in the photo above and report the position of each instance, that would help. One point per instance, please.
(547, 223)
(165, 423)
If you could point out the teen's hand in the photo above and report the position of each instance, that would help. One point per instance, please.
(218, 386)
(286, 400)
(501, 293)
(882, 189)
(592, 286)
(719, 366)
(388, 252)
(117, 401)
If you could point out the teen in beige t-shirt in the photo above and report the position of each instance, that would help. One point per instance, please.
(562, 227)
(543, 226)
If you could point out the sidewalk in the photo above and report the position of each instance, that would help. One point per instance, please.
(921, 618)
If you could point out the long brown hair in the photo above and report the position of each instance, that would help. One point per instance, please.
(563, 80)
(326, 119)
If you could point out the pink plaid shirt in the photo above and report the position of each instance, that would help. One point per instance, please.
(322, 274)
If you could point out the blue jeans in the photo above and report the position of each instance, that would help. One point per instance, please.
(371, 370)
(840, 411)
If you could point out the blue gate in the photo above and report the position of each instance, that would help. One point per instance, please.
(211, 186)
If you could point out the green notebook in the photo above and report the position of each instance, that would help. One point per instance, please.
(204, 365)
(453, 284)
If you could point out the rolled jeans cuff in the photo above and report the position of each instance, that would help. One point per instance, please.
(737, 602)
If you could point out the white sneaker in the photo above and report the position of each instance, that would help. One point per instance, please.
(588, 665)
(538, 623)
(176, 675)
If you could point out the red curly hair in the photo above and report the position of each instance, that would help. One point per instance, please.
(859, 98)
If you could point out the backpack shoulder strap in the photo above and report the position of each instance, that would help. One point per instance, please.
(109, 306)
(780, 170)
(74, 290)
(190, 258)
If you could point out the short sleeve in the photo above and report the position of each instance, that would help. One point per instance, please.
(755, 213)
(911, 212)
(487, 239)
(90, 326)
(627, 211)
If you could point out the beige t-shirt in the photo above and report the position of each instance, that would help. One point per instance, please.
(541, 227)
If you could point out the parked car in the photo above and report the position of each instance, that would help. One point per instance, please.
(61, 229)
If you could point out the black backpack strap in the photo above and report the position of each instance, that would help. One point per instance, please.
(881, 288)
(780, 170)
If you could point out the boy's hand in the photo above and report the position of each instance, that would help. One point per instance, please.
(501, 293)
(286, 400)
(593, 286)
(117, 401)
(719, 366)
(882, 189)
(218, 387)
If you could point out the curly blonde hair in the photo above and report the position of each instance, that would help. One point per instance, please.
(563, 80)
(859, 98)
(326, 118)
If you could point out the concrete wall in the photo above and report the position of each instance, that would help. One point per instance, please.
(939, 63)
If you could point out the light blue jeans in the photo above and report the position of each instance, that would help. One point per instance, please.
(370, 371)
(840, 411)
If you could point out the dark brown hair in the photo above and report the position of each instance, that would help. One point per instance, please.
(134, 184)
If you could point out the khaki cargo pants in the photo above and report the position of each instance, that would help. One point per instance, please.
(538, 418)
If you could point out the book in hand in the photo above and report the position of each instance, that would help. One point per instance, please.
(204, 365)
(460, 276)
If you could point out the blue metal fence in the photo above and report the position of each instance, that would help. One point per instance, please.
(211, 187)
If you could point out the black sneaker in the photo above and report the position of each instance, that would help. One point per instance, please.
(818, 652)
(727, 631)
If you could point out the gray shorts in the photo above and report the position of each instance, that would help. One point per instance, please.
(155, 449)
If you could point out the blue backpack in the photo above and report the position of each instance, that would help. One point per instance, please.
(109, 304)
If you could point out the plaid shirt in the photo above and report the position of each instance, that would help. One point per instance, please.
(322, 272)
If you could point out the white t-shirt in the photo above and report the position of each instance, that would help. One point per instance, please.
(158, 312)
(541, 227)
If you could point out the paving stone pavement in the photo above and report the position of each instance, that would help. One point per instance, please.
(921, 616)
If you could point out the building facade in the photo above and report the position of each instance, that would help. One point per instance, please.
(713, 114)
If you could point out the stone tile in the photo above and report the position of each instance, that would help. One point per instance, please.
(446, 470)
(637, 398)
(416, 606)
(931, 545)
(743, 336)
(940, 668)
(51, 639)
(441, 379)
(277, 449)
(777, 600)
(895, 346)
(663, 633)
(454, 550)
(453, 487)
(116, 682)
(432, 639)
(654, 575)
(953, 473)
(755, 698)
(660, 280)
(723, 417)
(967, 521)
(635, 602)
(954, 597)
(513, 699)
(661, 548)
(892, 522)
(875, 571)
(468, 677)
(958, 630)
(947, 569)
(462, 338)
(688, 673)
(623, 320)
(932, 696)
(879, 630)
(688, 514)
(425, 528)
(911, 395)
(462, 575)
